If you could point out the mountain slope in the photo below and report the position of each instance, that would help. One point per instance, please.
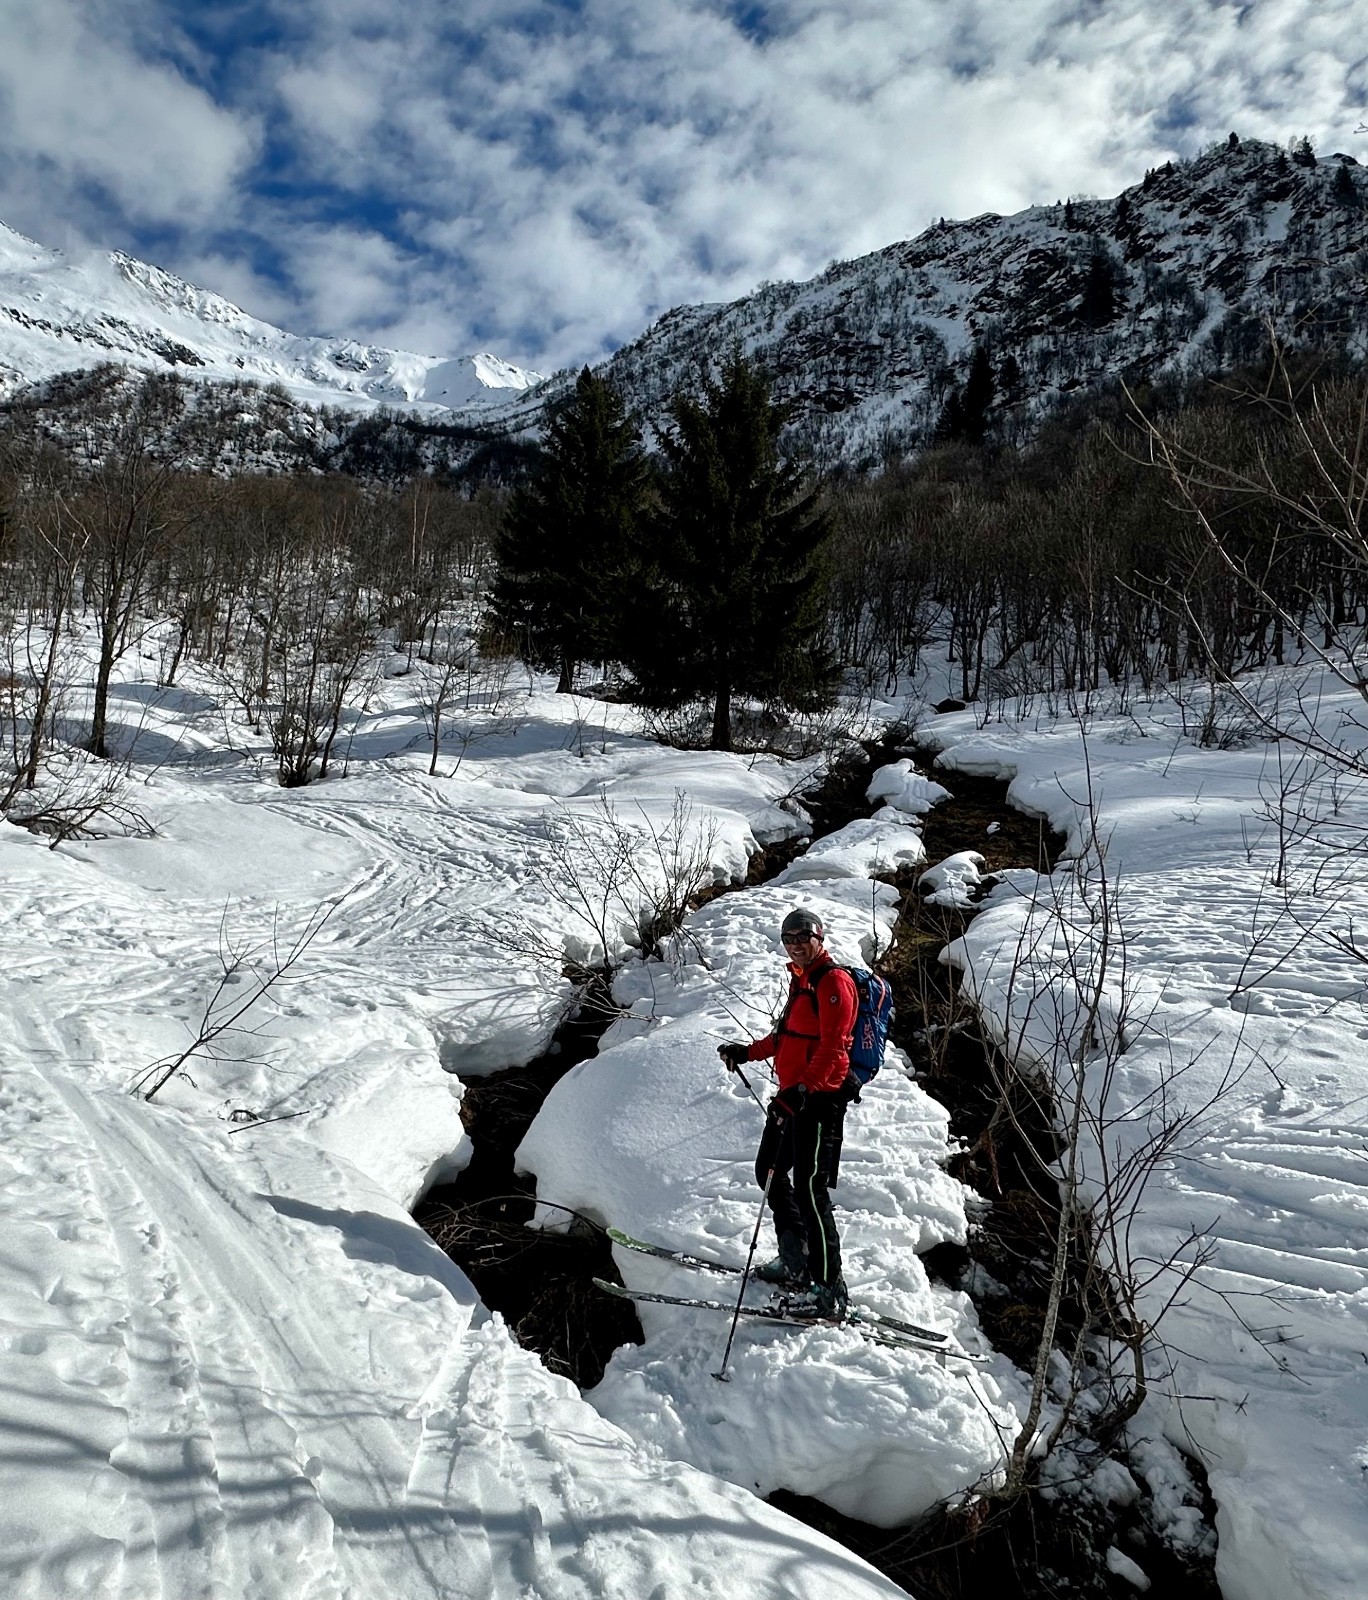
(1179, 273)
(59, 313)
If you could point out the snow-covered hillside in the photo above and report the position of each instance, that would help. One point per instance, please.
(1178, 273)
(59, 313)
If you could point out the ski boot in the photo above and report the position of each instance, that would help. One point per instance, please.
(823, 1301)
(789, 1269)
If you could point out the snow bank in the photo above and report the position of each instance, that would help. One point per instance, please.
(953, 881)
(902, 788)
(865, 848)
(1229, 1014)
(655, 1137)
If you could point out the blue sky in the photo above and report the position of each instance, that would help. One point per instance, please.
(542, 178)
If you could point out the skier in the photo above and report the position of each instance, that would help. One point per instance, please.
(801, 1143)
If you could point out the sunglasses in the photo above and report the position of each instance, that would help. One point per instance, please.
(799, 938)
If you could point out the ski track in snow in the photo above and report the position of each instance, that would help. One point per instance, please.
(176, 1315)
(191, 1428)
(1240, 1018)
(232, 1366)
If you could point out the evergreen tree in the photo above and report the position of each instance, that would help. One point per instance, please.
(563, 545)
(978, 395)
(1343, 188)
(1098, 305)
(734, 601)
(949, 427)
(1009, 374)
(964, 416)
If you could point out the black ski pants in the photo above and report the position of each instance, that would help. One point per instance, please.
(804, 1151)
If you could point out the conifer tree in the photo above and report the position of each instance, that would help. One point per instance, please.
(964, 416)
(978, 396)
(1343, 188)
(1099, 305)
(562, 548)
(1009, 374)
(733, 603)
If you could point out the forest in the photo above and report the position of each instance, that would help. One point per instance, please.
(1157, 540)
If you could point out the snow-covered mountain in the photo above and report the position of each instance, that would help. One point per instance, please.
(60, 313)
(1178, 273)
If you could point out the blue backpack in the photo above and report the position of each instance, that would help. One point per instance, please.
(873, 1019)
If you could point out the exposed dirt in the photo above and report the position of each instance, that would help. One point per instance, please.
(1029, 1549)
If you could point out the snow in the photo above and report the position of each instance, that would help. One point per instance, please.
(1254, 1029)
(60, 312)
(953, 881)
(655, 1137)
(233, 1364)
(865, 848)
(473, 381)
(904, 789)
(1122, 1565)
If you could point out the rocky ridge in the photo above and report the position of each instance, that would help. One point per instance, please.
(1180, 274)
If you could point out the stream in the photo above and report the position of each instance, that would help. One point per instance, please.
(542, 1282)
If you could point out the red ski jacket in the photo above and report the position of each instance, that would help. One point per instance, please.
(810, 1043)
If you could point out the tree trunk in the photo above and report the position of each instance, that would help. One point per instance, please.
(100, 711)
(567, 676)
(721, 728)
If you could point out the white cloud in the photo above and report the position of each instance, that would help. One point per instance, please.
(80, 107)
(514, 174)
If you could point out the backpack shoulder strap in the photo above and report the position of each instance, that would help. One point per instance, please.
(793, 992)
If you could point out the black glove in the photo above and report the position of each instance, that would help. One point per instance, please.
(788, 1102)
(734, 1053)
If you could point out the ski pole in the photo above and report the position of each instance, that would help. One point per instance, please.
(751, 1092)
(745, 1275)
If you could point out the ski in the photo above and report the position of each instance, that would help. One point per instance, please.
(682, 1258)
(780, 1316)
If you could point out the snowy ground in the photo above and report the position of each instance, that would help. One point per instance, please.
(233, 1366)
(1244, 1010)
(653, 1137)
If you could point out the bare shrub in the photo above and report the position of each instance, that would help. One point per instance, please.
(625, 888)
(262, 966)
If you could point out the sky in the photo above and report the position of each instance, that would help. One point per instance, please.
(543, 178)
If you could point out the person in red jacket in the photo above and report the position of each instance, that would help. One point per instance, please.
(801, 1143)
